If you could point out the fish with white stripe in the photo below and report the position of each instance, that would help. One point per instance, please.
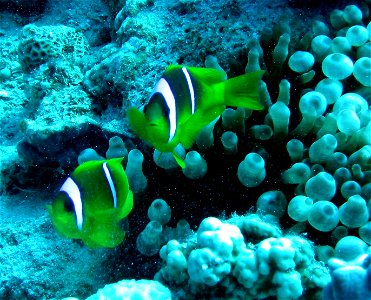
(185, 100)
(92, 202)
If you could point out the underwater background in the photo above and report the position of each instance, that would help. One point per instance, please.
(272, 204)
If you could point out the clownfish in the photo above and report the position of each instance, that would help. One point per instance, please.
(185, 100)
(91, 203)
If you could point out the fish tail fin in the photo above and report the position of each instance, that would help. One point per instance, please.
(243, 91)
(138, 122)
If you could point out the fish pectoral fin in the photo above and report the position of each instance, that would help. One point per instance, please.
(190, 132)
(138, 122)
(207, 76)
(127, 207)
(104, 234)
(179, 160)
(196, 122)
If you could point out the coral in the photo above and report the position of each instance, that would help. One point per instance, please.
(159, 211)
(251, 171)
(132, 289)
(41, 44)
(146, 46)
(149, 240)
(324, 124)
(350, 279)
(29, 249)
(225, 260)
(229, 140)
(137, 180)
(196, 166)
(116, 148)
(44, 145)
(45, 135)
(112, 74)
(311, 140)
(156, 233)
(88, 154)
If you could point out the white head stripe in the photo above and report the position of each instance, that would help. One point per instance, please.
(190, 87)
(73, 192)
(164, 89)
(111, 185)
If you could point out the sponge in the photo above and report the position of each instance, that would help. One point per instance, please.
(159, 211)
(348, 121)
(350, 248)
(323, 216)
(229, 140)
(149, 240)
(196, 166)
(298, 173)
(116, 148)
(251, 171)
(327, 184)
(337, 66)
(312, 105)
(299, 207)
(322, 149)
(350, 280)
(362, 71)
(134, 172)
(272, 203)
(354, 213)
(301, 61)
(357, 35)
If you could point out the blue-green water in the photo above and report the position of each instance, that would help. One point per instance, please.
(289, 198)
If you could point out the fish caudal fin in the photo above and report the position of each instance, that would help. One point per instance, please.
(138, 122)
(243, 91)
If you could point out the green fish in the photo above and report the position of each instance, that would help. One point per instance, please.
(185, 100)
(92, 202)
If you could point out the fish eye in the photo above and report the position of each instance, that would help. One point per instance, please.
(68, 205)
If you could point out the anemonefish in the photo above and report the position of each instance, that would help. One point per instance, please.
(92, 202)
(185, 100)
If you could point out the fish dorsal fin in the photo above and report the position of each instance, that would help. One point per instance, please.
(207, 76)
(172, 68)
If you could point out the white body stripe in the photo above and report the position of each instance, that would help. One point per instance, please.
(191, 89)
(73, 192)
(111, 185)
(164, 89)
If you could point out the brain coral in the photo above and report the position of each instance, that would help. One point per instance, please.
(40, 44)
